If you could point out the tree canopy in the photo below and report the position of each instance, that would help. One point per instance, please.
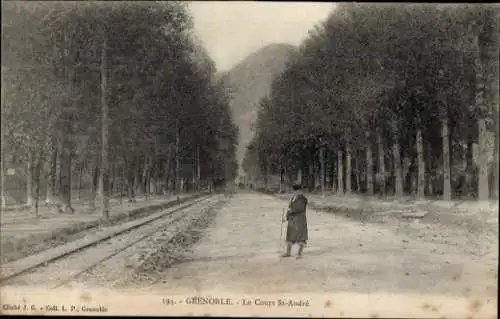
(386, 69)
(61, 60)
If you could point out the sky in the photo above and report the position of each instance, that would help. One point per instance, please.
(232, 30)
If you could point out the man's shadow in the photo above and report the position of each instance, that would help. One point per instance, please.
(313, 252)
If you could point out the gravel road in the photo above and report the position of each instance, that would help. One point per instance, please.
(239, 254)
(234, 247)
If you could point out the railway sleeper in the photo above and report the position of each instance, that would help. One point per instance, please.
(18, 249)
(24, 265)
(170, 249)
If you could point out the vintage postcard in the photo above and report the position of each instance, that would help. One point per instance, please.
(249, 159)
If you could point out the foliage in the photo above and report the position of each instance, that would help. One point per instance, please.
(385, 69)
(158, 76)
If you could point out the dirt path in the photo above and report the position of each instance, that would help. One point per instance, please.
(239, 253)
(350, 268)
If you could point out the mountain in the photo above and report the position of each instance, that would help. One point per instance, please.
(248, 82)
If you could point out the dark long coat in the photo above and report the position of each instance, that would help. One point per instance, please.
(296, 230)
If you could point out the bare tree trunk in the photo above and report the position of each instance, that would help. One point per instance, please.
(333, 166)
(51, 176)
(446, 161)
(354, 173)
(193, 174)
(59, 156)
(381, 176)
(299, 177)
(340, 173)
(145, 177)
(328, 168)
(481, 65)
(317, 179)
(64, 194)
(122, 182)
(310, 177)
(166, 174)
(494, 102)
(460, 171)
(171, 177)
(496, 158)
(151, 182)
(406, 176)
(112, 167)
(322, 169)
(369, 166)
(496, 125)
(483, 187)
(38, 169)
(164, 177)
(46, 171)
(66, 153)
(177, 157)
(413, 176)
(149, 175)
(99, 187)
(398, 187)
(117, 177)
(95, 186)
(198, 179)
(131, 176)
(29, 180)
(358, 174)
(430, 170)
(287, 179)
(148, 184)
(281, 179)
(137, 177)
(463, 170)
(104, 145)
(157, 179)
(347, 169)
(2, 145)
(80, 182)
(421, 166)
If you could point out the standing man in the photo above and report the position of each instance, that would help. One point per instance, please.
(296, 231)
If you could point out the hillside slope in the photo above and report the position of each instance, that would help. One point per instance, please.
(251, 80)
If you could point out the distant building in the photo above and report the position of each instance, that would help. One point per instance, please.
(242, 179)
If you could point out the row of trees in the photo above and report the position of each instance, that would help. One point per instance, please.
(109, 93)
(388, 98)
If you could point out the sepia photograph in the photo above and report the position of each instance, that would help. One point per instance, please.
(249, 158)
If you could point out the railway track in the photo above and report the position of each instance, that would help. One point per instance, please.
(56, 267)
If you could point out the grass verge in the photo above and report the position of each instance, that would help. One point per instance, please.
(12, 250)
